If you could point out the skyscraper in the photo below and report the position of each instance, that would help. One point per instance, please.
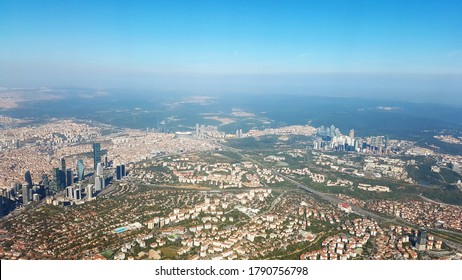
(99, 183)
(118, 172)
(96, 154)
(352, 134)
(2, 212)
(99, 169)
(45, 181)
(25, 193)
(421, 241)
(69, 177)
(28, 179)
(62, 168)
(59, 178)
(63, 164)
(80, 170)
(69, 192)
(123, 170)
(56, 179)
(78, 192)
(89, 191)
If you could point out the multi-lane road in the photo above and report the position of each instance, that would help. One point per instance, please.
(335, 201)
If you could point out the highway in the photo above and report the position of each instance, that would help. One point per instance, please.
(369, 214)
(335, 201)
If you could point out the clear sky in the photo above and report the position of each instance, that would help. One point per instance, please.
(373, 47)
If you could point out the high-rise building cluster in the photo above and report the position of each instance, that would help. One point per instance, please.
(330, 138)
(74, 192)
(96, 154)
(120, 171)
(63, 180)
(21, 194)
(208, 131)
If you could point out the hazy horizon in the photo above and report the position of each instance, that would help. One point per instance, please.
(408, 50)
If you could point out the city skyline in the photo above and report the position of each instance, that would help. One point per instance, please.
(330, 48)
(270, 134)
(213, 196)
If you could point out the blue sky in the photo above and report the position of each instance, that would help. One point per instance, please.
(314, 46)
